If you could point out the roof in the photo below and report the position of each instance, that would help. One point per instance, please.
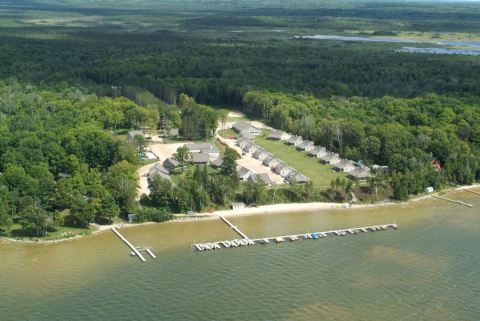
(200, 146)
(343, 164)
(275, 134)
(160, 167)
(300, 178)
(294, 139)
(159, 170)
(238, 204)
(263, 177)
(360, 172)
(200, 158)
(305, 144)
(329, 156)
(247, 135)
(171, 162)
(242, 171)
(244, 126)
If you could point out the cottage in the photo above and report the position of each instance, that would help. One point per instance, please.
(171, 164)
(133, 133)
(258, 152)
(330, 158)
(243, 173)
(158, 170)
(242, 142)
(294, 140)
(252, 149)
(261, 177)
(317, 152)
(205, 148)
(263, 156)
(345, 166)
(305, 145)
(246, 128)
(200, 158)
(300, 179)
(277, 135)
(282, 169)
(270, 162)
(360, 173)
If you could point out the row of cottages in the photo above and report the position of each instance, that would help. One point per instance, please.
(246, 130)
(278, 135)
(203, 153)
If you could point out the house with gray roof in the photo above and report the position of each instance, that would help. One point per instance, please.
(243, 173)
(282, 169)
(270, 161)
(296, 177)
(277, 135)
(317, 152)
(200, 158)
(261, 177)
(263, 156)
(205, 148)
(344, 165)
(171, 164)
(294, 140)
(258, 152)
(360, 173)
(305, 145)
(330, 158)
(244, 127)
(247, 135)
(242, 142)
(158, 170)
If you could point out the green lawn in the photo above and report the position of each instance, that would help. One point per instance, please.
(227, 133)
(321, 175)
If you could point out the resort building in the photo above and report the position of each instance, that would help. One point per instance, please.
(244, 128)
(360, 172)
(270, 162)
(282, 169)
(330, 158)
(317, 152)
(261, 177)
(171, 164)
(204, 148)
(244, 173)
(305, 145)
(294, 140)
(217, 163)
(158, 170)
(344, 165)
(200, 158)
(277, 135)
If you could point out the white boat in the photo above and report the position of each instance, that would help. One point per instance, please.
(293, 238)
(279, 240)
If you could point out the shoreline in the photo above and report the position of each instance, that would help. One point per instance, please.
(260, 210)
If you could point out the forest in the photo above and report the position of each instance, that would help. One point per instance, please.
(76, 75)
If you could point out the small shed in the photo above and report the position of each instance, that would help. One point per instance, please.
(238, 205)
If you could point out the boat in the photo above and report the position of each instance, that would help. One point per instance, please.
(293, 238)
(315, 236)
(266, 241)
(132, 253)
(279, 240)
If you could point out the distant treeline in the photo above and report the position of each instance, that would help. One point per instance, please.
(219, 71)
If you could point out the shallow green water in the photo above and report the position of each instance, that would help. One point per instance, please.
(429, 269)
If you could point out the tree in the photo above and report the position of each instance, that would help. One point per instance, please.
(83, 212)
(182, 156)
(122, 182)
(229, 164)
(161, 192)
(35, 221)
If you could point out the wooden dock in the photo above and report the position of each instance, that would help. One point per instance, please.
(452, 201)
(233, 227)
(134, 249)
(293, 237)
(468, 190)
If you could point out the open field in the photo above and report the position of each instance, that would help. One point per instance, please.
(321, 175)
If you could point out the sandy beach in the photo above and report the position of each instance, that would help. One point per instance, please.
(260, 210)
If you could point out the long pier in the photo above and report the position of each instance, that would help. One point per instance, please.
(233, 227)
(468, 190)
(134, 249)
(293, 237)
(452, 201)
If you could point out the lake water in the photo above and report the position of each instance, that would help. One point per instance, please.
(428, 269)
(440, 51)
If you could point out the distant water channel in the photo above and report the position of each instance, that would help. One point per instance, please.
(428, 269)
(436, 51)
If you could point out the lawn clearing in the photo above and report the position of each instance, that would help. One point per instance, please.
(321, 175)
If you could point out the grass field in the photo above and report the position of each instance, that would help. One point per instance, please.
(321, 175)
